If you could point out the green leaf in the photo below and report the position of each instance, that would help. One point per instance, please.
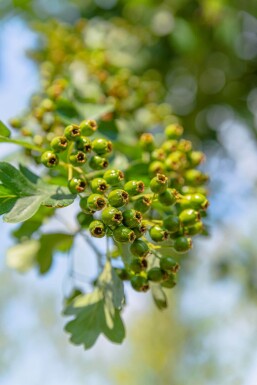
(30, 146)
(27, 192)
(93, 111)
(22, 256)
(49, 244)
(112, 285)
(4, 130)
(159, 296)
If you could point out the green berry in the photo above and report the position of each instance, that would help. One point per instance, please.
(195, 201)
(96, 202)
(139, 248)
(98, 185)
(84, 206)
(189, 217)
(88, 127)
(185, 145)
(195, 177)
(197, 228)
(49, 159)
(59, 143)
(176, 161)
(143, 204)
(159, 183)
(122, 274)
(84, 144)
(168, 264)
(170, 282)
(118, 198)
(112, 216)
(132, 218)
(77, 185)
(84, 219)
(156, 167)
(146, 142)
(123, 234)
(78, 158)
(134, 187)
(98, 163)
(97, 229)
(158, 154)
(158, 233)
(102, 146)
(137, 265)
(139, 283)
(140, 230)
(170, 146)
(182, 244)
(155, 274)
(174, 131)
(72, 132)
(113, 177)
(196, 158)
(168, 197)
(171, 223)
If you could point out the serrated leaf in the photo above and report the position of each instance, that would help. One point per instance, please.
(23, 209)
(4, 130)
(16, 182)
(112, 285)
(21, 257)
(159, 296)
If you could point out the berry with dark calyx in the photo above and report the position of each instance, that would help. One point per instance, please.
(158, 154)
(118, 198)
(176, 161)
(195, 158)
(99, 185)
(96, 202)
(143, 204)
(158, 233)
(111, 216)
(84, 219)
(49, 159)
(140, 230)
(170, 282)
(113, 177)
(139, 283)
(155, 274)
(146, 142)
(98, 163)
(184, 145)
(182, 244)
(88, 127)
(78, 158)
(159, 183)
(83, 144)
(195, 201)
(101, 146)
(170, 146)
(72, 132)
(168, 264)
(137, 265)
(134, 187)
(197, 228)
(174, 131)
(189, 217)
(77, 185)
(156, 167)
(97, 229)
(139, 248)
(132, 218)
(123, 234)
(84, 207)
(171, 223)
(168, 197)
(59, 143)
(195, 177)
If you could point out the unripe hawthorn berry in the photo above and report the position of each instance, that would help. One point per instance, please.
(158, 233)
(189, 217)
(123, 234)
(169, 264)
(197, 228)
(195, 177)
(159, 183)
(168, 197)
(171, 223)
(155, 274)
(111, 216)
(77, 158)
(134, 187)
(88, 127)
(99, 185)
(146, 142)
(156, 167)
(98, 163)
(96, 202)
(72, 132)
(170, 282)
(59, 143)
(139, 248)
(182, 244)
(118, 198)
(196, 158)
(113, 177)
(97, 229)
(137, 265)
(140, 230)
(170, 146)
(195, 201)
(174, 131)
(139, 283)
(77, 185)
(132, 218)
(101, 146)
(49, 159)
(143, 204)
(83, 144)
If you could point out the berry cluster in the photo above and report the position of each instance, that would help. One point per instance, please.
(164, 212)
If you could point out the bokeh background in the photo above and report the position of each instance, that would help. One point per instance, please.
(207, 53)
